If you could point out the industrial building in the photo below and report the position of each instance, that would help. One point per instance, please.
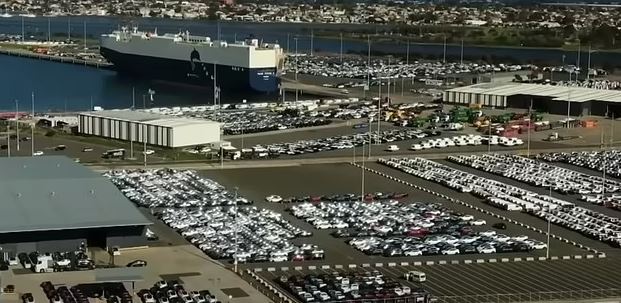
(579, 101)
(156, 129)
(52, 203)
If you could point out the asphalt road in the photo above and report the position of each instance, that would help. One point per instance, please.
(503, 282)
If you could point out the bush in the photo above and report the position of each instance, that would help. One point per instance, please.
(50, 133)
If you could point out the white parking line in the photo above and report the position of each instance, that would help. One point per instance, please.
(517, 278)
(480, 282)
(565, 273)
(456, 286)
(519, 273)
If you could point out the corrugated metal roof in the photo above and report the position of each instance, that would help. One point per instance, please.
(55, 193)
(149, 118)
(557, 93)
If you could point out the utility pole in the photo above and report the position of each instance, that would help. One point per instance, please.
(407, 64)
(133, 98)
(85, 34)
(369, 61)
(444, 53)
(34, 123)
(23, 32)
(588, 76)
(312, 42)
(461, 56)
(49, 32)
(68, 29)
(362, 183)
(341, 47)
(288, 49)
(296, 58)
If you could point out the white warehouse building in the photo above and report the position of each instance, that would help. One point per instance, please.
(156, 129)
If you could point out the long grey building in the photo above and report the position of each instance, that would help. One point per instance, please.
(578, 101)
(155, 129)
(51, 203)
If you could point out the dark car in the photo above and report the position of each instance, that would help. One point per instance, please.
(467, 249)
(500, 225)
(137, 263)
(504, 248)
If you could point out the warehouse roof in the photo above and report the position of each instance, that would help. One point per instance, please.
(148, 118)
(557, 93)
(55, 193)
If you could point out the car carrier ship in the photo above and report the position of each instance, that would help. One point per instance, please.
(244, 67)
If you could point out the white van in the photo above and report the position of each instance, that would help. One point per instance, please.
(415, 276)
(392, 148)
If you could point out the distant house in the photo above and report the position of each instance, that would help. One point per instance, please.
(475, 22)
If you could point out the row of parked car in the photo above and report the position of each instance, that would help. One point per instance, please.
(352, 287)
(174, 292)
(561, 212)
(590, 223)
(377, 196)
(608, 161)
(358, 67)
(499, 194)
(465, 140)
(172, 188)
(111, 292)
(262, 235)
(393, 228)
(342, 142)
(540, 174)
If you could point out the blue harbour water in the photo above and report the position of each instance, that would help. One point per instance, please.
(60, 87)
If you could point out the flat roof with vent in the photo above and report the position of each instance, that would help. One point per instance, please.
(56, 193)
(557, 93)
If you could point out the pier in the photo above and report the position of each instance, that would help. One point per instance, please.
(70, 60)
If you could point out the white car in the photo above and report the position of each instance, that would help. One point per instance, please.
(451, 251)
(520, 238)
(273, 198)
(478, 222)
(539, 245)
(38, 153)
(489, 233)
(416, 147)
(467, 217)
(148, 152)
(278, 259)
(412, 253)
(486, 250)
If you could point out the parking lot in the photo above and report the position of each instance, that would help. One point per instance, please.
(256, 184)
(500, 282)
(74, 147)
(518, 216)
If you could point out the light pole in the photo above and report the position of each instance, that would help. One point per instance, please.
(530, 116)
(34, 123)
(17, 124)
(145, 138)
(362, 183)
(296, 58)
(548, 233)
(235, 231)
